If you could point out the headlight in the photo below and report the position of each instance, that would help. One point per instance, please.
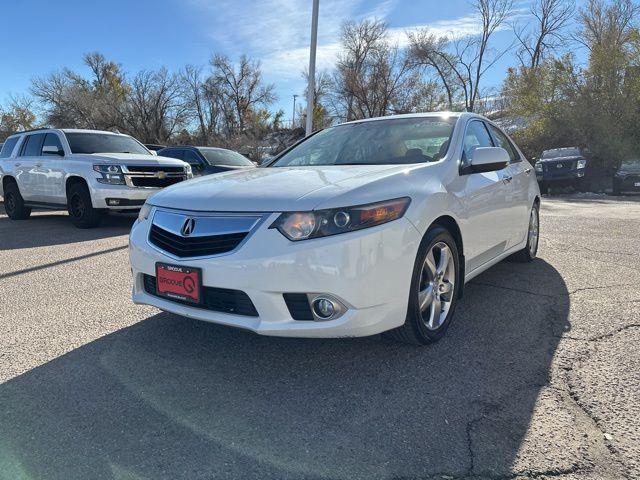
(581, 164)
(188, 171)
(111, 174)
(322, 223)
(538, 167)
(144, 212)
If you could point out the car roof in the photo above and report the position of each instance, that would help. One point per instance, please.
(443, 114)
(65, 130)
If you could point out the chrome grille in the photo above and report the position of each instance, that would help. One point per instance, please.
(199, 235)
(153, 176)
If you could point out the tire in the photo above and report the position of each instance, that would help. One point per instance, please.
(14, 203)
(80, 208)
(544, 188)
(530, 251)
(421, 326)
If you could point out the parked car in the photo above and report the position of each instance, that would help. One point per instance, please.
(353, 231)
(154, 147)
(561, 167)
(88, 172)
(208, 160)
(627, 177)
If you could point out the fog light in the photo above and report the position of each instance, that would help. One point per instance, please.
(324, 308)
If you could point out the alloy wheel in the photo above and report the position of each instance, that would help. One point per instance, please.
(77, 206)
(437, 285)
(10, 202)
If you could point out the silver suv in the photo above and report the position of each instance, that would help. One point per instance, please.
(88, 172)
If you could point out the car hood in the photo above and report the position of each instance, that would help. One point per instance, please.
(627, 170)
(272, 189)
(132, 158)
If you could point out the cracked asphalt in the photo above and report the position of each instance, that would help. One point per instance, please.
(538, 377)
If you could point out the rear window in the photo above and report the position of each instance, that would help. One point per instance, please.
(8, 147)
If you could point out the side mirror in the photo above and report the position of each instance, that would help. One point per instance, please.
(488, 159)
(52, 150)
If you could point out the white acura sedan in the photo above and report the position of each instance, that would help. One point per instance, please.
(365, 227)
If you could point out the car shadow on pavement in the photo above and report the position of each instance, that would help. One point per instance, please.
(46, 228)
(176, 398)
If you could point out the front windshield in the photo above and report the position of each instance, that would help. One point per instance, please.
(631, 163)
(220, 156)
(378, 142)
(560, 153)
(83, 142)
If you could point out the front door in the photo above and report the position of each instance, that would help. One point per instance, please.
(487, 197)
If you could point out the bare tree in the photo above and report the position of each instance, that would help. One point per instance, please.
(155, 108)
(71, 100)
(611, 24)
(242, 90)
(373, 77)
(546, 30)
(462, 63)
(202, 103)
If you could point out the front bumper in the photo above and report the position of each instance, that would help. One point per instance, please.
(369, 271)
(630, 183)
(131, 198)
(566, 178)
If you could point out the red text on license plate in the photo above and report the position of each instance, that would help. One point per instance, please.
(181, 283)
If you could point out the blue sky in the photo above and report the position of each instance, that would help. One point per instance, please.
(40, 36)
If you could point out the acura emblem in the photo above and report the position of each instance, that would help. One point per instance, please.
(188, 227)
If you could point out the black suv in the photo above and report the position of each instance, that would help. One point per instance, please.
(561, 167)
(627, 177)
(208, 160)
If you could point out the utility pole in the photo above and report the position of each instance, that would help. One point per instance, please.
(311, 87)
(293, 117)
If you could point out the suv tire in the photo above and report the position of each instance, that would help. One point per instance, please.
(80, 208)
(417, 329)
(14, 203)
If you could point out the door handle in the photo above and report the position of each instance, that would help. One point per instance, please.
(527, 171)
(17, 164)
(507, 178)
(38, 164)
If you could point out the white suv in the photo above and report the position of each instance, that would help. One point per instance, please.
(363, 227)
(88, 172)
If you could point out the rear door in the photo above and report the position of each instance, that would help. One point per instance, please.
(486, 197)
(517, 177)
(27, 168)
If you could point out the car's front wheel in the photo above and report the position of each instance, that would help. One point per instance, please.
(80, 208)
(434, 289)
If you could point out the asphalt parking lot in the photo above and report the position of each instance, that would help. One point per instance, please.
(539, 375)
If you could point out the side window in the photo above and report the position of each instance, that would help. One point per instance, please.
(476, 136)
(192, 157)
(504, 142)
(32, 145)
(8, 146)
(52, 140)
(172, 153)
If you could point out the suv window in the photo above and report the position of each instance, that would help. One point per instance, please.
(504, 142)
(171, 153)
(52, 140)
(476, 136)
(192, 157)
(32, 145)
(8, 146)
